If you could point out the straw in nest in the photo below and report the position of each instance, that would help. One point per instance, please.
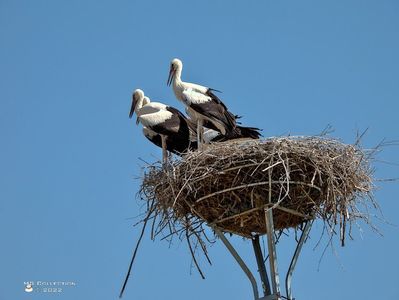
(230, 185)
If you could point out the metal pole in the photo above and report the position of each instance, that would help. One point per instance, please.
(237, 257)
(272, 252)
(261, 266)
(294, 260)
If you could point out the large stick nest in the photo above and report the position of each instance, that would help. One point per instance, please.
(231, 184)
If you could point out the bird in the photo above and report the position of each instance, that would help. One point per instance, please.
(204, 106)
(163, 122)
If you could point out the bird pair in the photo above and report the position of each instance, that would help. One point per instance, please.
(168, 128)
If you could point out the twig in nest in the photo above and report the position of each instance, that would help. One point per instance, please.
(193, 255)
(297, 178)
(150, 211)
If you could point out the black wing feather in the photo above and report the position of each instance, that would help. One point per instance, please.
(174, 144)
(230, 117)
(183, 119)
(176, 125)
(214, 110)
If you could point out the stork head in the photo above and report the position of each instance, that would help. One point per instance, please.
(175, 67)
(137, 102)
(146, 100)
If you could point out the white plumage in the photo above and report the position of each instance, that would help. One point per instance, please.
(201, 100)
(153, 114)
(163, 125)
(205, 108)
(191, 96)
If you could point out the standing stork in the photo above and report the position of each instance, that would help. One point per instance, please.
(162, 122)
(203, 105)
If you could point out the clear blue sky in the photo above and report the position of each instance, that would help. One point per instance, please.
(69, 153)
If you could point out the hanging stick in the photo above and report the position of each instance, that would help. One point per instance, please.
(136, 248)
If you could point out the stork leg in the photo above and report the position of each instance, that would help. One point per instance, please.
(164, 151)
(200, 134)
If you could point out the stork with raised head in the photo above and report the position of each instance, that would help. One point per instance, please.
(203, 104)
(164, 122)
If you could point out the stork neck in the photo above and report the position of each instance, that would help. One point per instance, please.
(178, 88)
(177, 80)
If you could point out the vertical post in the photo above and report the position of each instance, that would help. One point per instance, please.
(294, 260)
(272, 252)
(239, 261)
(261, 266)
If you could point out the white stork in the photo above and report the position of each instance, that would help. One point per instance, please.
(201, 102)
(204, 105)
(162, 122)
